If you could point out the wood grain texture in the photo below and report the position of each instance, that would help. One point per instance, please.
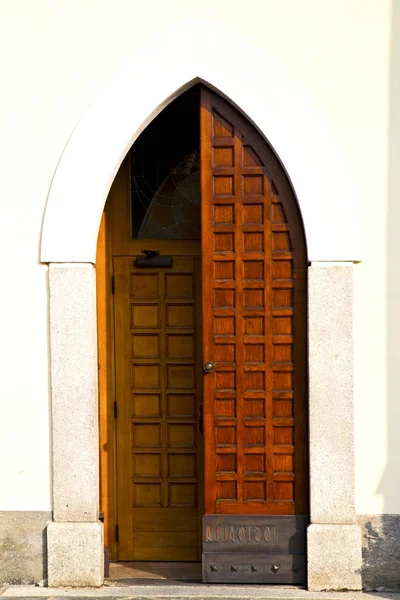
(158, 387)
(106, 388)
(254, 322)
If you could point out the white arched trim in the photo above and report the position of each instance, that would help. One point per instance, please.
(258, 85)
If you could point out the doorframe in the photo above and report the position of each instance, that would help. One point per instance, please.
(75, 537)
(106, 385)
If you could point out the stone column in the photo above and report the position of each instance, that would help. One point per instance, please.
(75, 538)
(334, 539)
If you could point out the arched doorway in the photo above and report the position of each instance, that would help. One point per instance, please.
(209, 382)
(75, 204)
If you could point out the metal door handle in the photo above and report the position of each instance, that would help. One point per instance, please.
(209, 367)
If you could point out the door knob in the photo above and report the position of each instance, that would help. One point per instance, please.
(208, 367)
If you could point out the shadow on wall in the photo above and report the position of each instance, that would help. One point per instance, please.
(381, 551)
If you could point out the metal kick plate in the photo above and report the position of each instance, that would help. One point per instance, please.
(254, 533)
(251, 567)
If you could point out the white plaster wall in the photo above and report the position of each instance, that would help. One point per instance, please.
(378, 369)
(313, 75)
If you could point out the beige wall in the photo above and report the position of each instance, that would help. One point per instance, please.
(320, 90)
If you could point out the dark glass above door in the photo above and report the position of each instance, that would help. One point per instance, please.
(165, 174)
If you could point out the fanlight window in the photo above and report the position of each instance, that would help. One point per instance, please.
(165, 174)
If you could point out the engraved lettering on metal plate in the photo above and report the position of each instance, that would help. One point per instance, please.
(254, 548)
(240, 534)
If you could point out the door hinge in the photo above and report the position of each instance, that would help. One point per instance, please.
(113, 284)
(115, 410)
(201, 417)
(117, 533)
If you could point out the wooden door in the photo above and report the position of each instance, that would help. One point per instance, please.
(155, 205)
(158, 391)
(237, 299)
(254, 322)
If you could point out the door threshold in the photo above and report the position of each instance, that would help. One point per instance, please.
(152, 572)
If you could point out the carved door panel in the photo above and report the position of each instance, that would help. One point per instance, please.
(254, 331)
(158, 385)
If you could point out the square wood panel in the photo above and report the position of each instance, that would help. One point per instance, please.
(182, 494)
(225, 407)
(226, 463)
(180, 315)
(253, 269)
(146, 376)
(224, 214)
(282, 298)
(223, 185)
(253, 185)
(283, 380)
(225, 435)
(181, 465)
(224, 242)
(144, 285)
(254, 436)
(282, 353)
(282, 463)
(223, 157)
(147, 494)
(180, 345)
(224, 298)
(255, 490)
(255, 463)
(254, 381)
(282, 269)
(146, 405)
(283, 436)
(254, 353)
(226, 490)
(254, 407)
(145, 346)
(145, 316)
(181, 405)
(253, 325)
(253, 242)
(283, 490)
(253, 213)
(224, 270)
(181, 435)
(253, 298)
(147, 465)
(224, 325)
(281, 242)
(146, 435)
(282, 408)
(224, 352)
(282, 325)
(179, 285)
(226, 380)
(180, 376)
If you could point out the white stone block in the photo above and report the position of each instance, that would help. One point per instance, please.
(334, 557)
(75, 554)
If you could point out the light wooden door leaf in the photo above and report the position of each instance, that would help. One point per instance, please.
(158, 384)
